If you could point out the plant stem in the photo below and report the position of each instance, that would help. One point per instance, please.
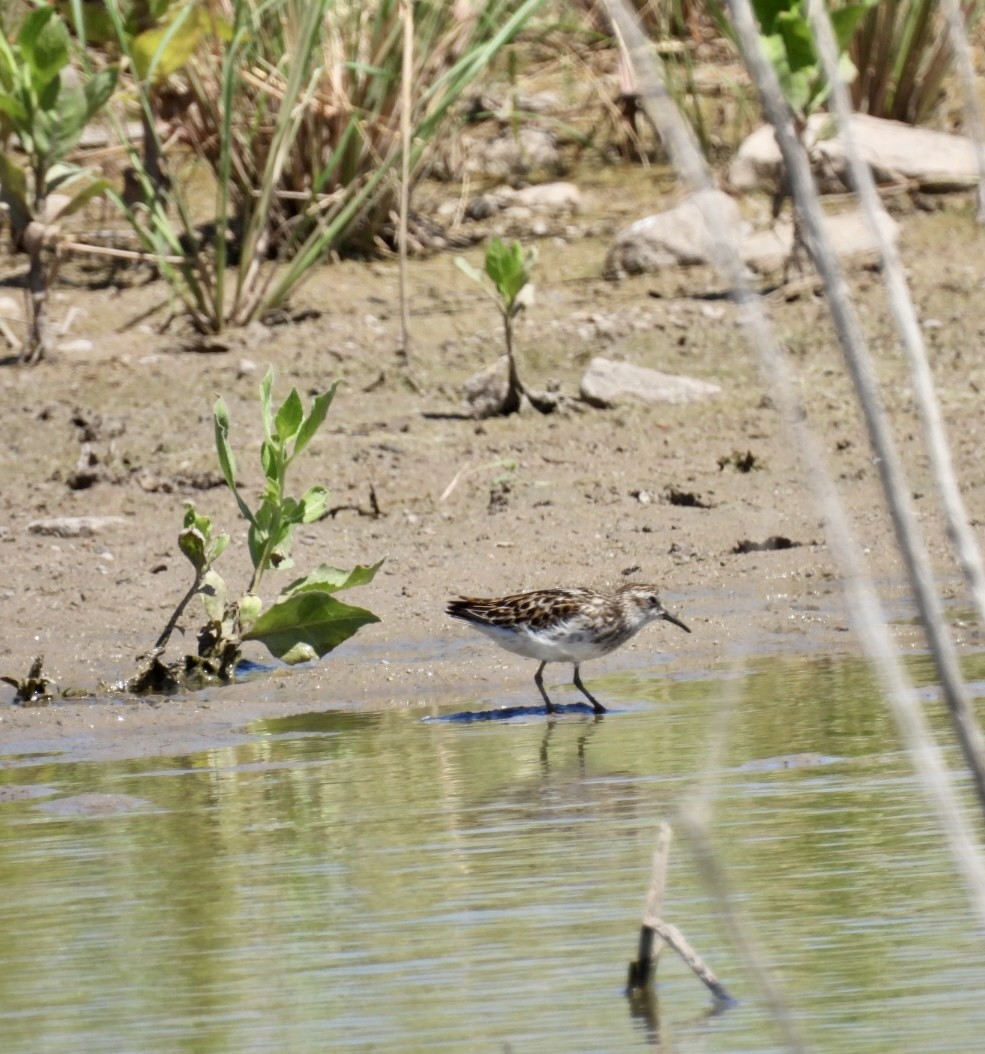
(162, 641)
(515, 390)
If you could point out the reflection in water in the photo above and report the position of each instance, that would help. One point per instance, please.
(372, 881)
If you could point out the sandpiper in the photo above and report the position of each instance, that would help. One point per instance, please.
(564, 625)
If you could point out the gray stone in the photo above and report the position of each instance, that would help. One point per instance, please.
(849, 232)
(511, 153)
(485, 392)
(607, 383)
(896, 153)
(679, 237)
(74, 526)
(557, 198)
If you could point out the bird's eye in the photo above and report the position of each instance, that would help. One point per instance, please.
(654, 600)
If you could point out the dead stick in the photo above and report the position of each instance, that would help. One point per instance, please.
(654, 932)
(650, 944)
(673, 936)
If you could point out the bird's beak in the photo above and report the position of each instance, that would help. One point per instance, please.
(677, 622)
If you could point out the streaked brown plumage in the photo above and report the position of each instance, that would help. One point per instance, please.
(564, 625)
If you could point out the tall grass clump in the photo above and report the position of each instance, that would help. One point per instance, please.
(292, 110)
(903, 55)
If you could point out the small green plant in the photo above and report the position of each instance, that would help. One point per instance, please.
(46, 106)
(509, 268)
(306, 621)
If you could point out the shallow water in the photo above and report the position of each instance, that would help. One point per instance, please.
(361, 881)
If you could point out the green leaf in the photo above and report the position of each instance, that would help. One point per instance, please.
(250, 606)
(314, 420)
(14, 109)
(798, 41)
(272, 461)
(44, 45)
(99, 89)
(301, 652)
(218, 546)
(314, 618)
(289, 417)
(191, 542)
(266, 402)
(845, 20)
(81, 197)
(330, 579)
(213, 594)
(227, 462)
(13, 190)
(165, 49)
(509, 267)
(313, 504)
(466, 268)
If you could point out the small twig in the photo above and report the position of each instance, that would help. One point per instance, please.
(120, 254)
(456, 479)
(162, 641)
(406, 75)
(673, 936)
(654, 932)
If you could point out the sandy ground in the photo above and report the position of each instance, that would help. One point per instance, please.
(582, 496)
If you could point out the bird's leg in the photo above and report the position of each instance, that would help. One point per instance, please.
(596, 705)
(539, 681)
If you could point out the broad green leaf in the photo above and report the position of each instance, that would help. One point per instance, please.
(314, 420)
(191, 542)
(289, 417)
(845, 20)
(165, 49)
(312, 618)
(256, 540)
(213, 594)
(13, 108)
(767, 12)
(99, 89)
(44, 45)
(798, 41)
(219, 543)
(68, 115)
(250, 606)
(333, 579)
(313, 504)
(272, 460)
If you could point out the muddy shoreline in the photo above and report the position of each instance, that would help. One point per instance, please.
(578, 497)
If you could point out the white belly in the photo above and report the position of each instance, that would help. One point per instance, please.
(572, 646)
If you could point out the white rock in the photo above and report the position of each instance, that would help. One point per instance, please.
(678, 237)
(550, 197)
(606, 383)
(895, 152)
(79, 346)
(849, 232)
(74, 526)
